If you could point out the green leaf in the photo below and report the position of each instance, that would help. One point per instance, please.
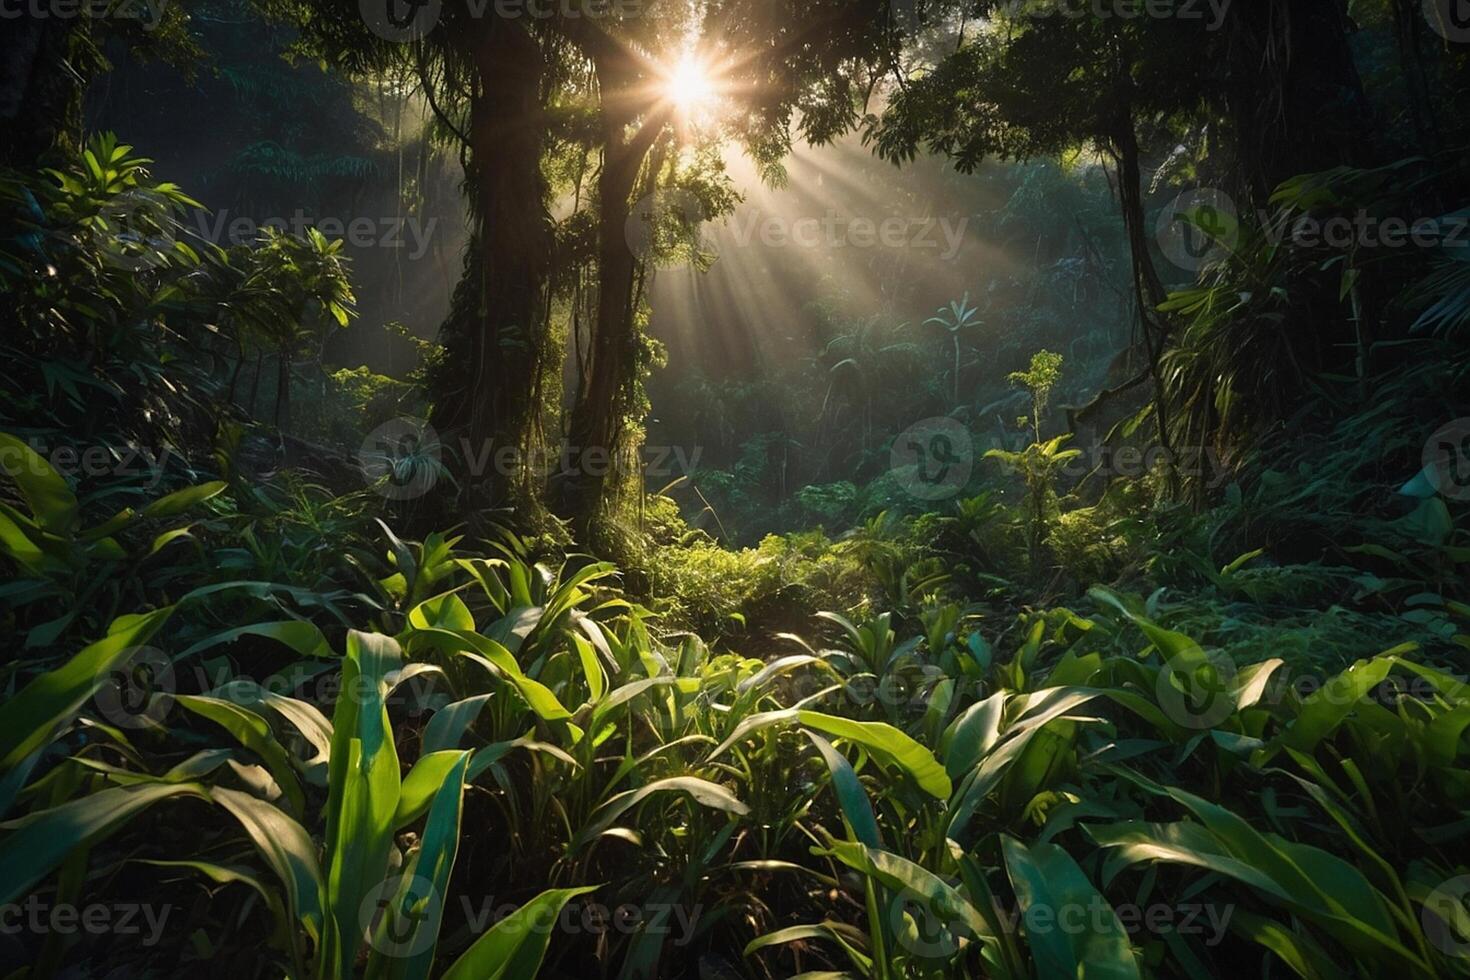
(16, 544)
(1046, 878)
(591, 668)
(499, 661)
(857, 809)
(904, 878)
(887, 743)
(51, 502)
(43, 839)
(752, 724)
(971, 735)
(287, 848)
(181, 500)
(1326, 708)
(514, 946)
(362, 795)
(423, 782)
(446, 611)
(1315, 884)
(1422, 486)
(303, 637)
(253, 732)
(1430, 523)
(777, 667)
(29, 720)
(702, 791)
(447, 728)
(419, 901)
(1296, 950)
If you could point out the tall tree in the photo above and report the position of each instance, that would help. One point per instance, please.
(786, 70)
(1018, 87)
(633, 111)
(485, 77)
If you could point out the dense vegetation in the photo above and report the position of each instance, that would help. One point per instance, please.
(1094, 604)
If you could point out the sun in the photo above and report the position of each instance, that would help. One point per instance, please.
(689, 86)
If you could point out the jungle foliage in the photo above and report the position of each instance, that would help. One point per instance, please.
(1171, 683)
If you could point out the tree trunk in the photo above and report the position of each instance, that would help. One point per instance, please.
(283, 390)
(1293, 92)
(494, 332)
(1148, 287)
(255, 382)
(40, 88)
(1408, 24)
(599, 413)
(597, 416)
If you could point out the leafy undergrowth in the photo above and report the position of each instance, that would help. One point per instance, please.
(428, 758)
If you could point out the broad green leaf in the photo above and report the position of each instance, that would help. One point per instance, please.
(591, 668)
(29, 720)
(40, 841)
(253, 732)
(499, 661)
(449, 724)
(51, 502)
(415, 912)
(887, 743)
(701, 791)
(181, 500)
(16, 544)
(446, 611)
(902, 877)
(1083, 937)
(777, 667)
(857, 809)
(287, 848)
(1296, 950)
(752, 724)
(363, 793)
(513, 948)
(301, 636)
(423, 782)
(1326, 708)
(971, 735)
